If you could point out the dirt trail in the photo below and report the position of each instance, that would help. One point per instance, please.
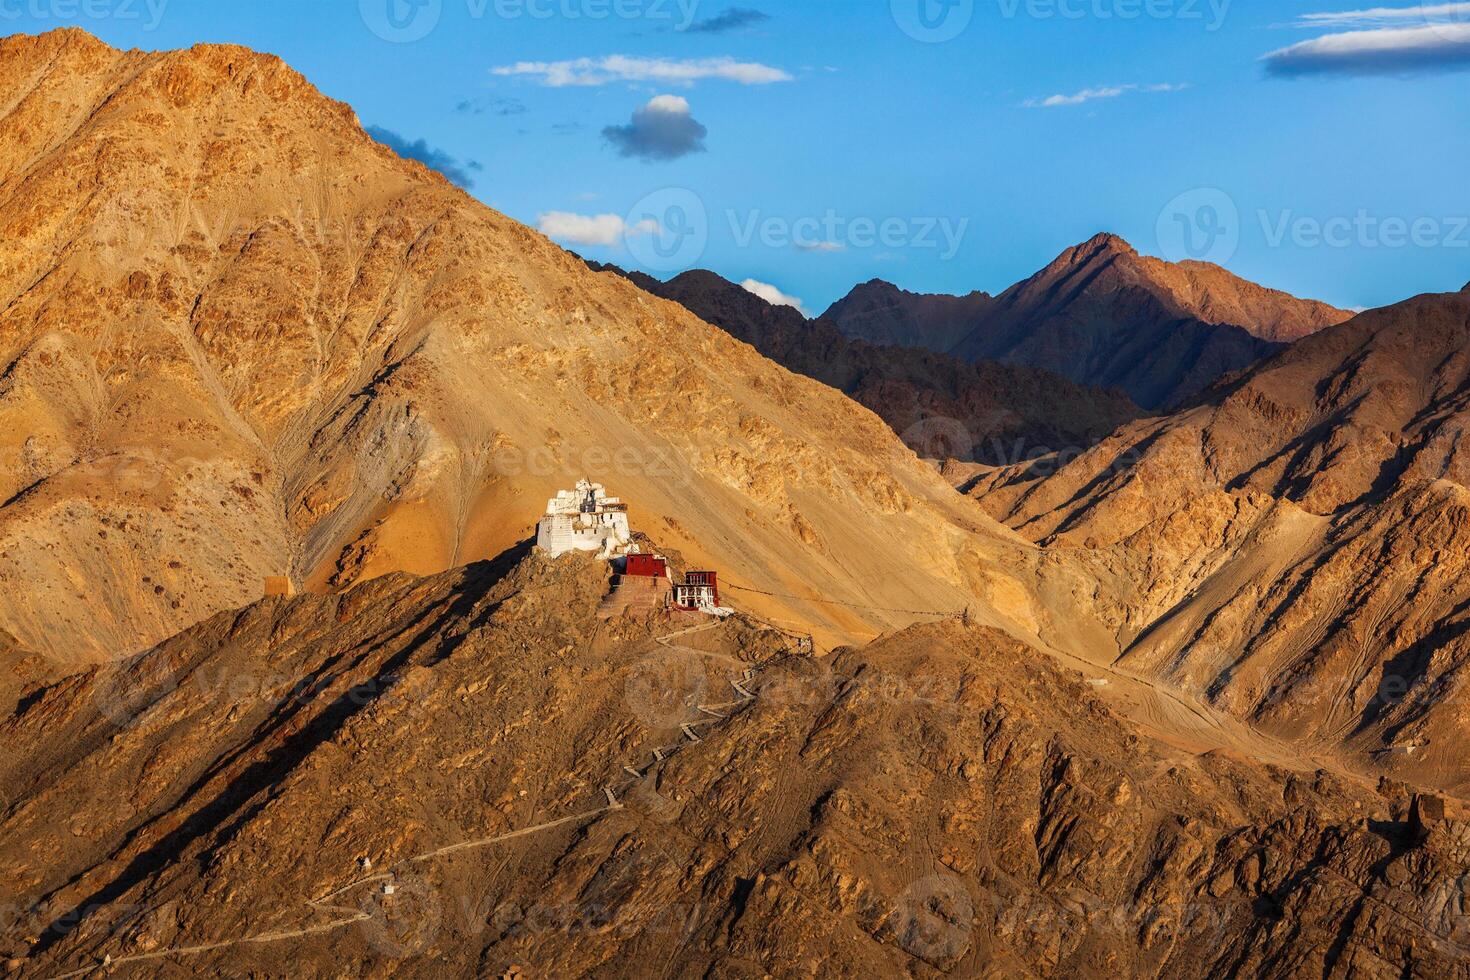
(703, 715)
(1181, 720)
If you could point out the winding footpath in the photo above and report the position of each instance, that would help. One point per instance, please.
(347, 916)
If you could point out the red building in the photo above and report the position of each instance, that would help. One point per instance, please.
(646, 566)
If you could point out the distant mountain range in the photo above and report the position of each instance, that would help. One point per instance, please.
(881, 313)
(1100, 336)
(942, 406)
(1102, 315)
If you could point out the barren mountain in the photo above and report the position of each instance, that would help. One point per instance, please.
(1102, 314)
(1296, 547)
(471, 774)
(1215, 295)
(941, 406)
(240, 339)
(884, 315)
(20, 671)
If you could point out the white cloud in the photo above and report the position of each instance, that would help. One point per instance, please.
(622, 68)
(820, 247)
(1104, 92)
(1379, 40)
(1399, 49)
(591, 229)
(772, 295)
(676, 104)
(1386, 16)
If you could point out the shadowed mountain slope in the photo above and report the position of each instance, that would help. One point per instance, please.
(240, 339)
(941, 406)
(1296, 547)
(884, 315)
(939, 803)
(1101, 314)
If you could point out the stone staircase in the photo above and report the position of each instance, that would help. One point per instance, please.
(633, 595)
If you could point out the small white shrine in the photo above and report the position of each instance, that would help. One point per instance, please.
(585, 519)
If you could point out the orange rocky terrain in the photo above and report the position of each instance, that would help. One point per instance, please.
(1184, 726)
(472, 774)
(939, 405)
(240, 339)
(1293, 549)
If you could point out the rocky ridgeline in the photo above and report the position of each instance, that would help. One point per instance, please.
(1101, 314)
(1294, 548)
(942, 801)
(241, 340)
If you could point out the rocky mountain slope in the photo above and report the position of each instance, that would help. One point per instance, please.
(882, 314)
(1295, 548)
(471, 774)
(1101, 314)
(240, 339)
(942, 407)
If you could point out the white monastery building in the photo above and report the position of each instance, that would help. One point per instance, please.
(585, 519)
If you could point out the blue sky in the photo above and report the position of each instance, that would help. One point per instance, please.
(813, 145)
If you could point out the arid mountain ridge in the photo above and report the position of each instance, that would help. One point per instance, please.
(1164, 330)
(940, 406)
(1294, 548)
(1188, 724)
(939, 803)
(400, 381)
(1103, 315)
(240, 339)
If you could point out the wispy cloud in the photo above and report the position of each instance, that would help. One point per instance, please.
(1093, 94)
(591, 229)
(772, 295)
(1382, 40)
(1388, 16)
(820, 247)
(430, 156)
(622, 68)
(733, 19)
(664, 129)
(1441, 47)
(481, 105)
